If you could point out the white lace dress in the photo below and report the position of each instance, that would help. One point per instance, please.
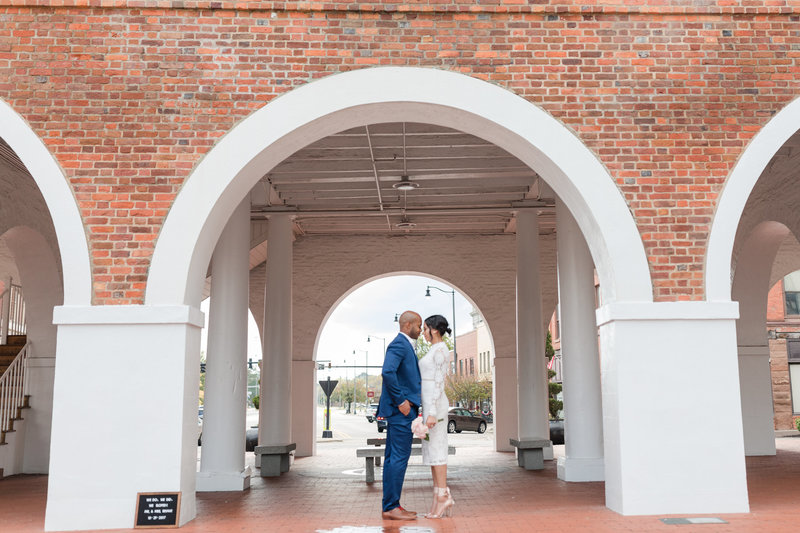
(433, 370)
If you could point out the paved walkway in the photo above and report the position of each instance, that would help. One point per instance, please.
(327, 494)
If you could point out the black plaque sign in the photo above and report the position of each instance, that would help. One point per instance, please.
(157, 509)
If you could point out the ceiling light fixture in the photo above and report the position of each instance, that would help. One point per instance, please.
(405, 184)
(404, 222)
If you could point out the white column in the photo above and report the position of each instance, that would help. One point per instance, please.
(751, 288)
(222, 458)
(304, 407)
(583, 413)
(758, 414)
(672, 426)
(142, 414)
(504, 400)
(532, 388)
(275, 423)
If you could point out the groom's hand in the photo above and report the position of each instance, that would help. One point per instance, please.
(405, 407)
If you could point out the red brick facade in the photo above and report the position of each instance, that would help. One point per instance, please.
(129, 96)
(779, 328)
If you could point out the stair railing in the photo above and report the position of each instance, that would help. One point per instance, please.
(13, 388)
(12, 311)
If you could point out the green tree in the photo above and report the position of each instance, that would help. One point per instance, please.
(554, 388)
(422, 346)
(467, 390)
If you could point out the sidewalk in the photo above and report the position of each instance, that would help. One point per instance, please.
(327, 493)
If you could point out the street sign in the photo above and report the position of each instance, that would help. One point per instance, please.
(370, 394)
(328, 385)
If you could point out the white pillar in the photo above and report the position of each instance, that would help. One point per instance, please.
(504, 401)
(224, 425)
(304, 407)
(758, 414)
(275, 423)
(672, 423)
(583, 413)
(142, 415)
(751, 288)
(532, 388)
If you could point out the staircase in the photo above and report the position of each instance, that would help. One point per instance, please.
(10, 350)
(13, 385)
(14, 350)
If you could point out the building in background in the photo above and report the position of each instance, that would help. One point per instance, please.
(783, 329)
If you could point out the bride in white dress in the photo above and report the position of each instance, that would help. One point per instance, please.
(433, 368)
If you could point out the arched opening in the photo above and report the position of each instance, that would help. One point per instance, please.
(527, 160)
(751, 247)
(370, 96)
(763, 152)
(38, 272)
(367, 311)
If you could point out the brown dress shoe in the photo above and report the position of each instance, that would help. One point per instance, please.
(398, 514)
(406, 510)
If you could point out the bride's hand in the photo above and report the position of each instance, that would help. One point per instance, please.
(430, 421)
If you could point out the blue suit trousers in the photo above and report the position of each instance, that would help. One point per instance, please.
(398, 450)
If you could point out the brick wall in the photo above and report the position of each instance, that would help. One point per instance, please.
(130, 96)
(484, 268)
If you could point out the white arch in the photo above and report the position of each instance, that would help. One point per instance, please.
(734, 196)
(369, 280)
(60, 201)
(393, 94)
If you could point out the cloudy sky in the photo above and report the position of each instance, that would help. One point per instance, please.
(370, 310)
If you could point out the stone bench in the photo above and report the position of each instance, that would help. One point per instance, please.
(274, 460)
(381, 441)
(371, 453)
(530, 454)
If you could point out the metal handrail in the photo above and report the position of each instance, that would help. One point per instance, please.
(13, 388)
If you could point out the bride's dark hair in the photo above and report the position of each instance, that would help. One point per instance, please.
(439, 323)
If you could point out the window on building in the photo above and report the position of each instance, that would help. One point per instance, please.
(791, 291)
(461, 368)
(471, 367)
(793, 352)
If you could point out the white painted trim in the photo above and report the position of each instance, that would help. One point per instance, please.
(636, 311)
(372, 95)
(128, 314)
(734, 196)
(61, 204)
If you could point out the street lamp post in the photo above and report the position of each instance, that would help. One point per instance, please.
(366, 369)
(384, 352)
(452, 293)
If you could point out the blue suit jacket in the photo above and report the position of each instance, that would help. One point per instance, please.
(401, 378)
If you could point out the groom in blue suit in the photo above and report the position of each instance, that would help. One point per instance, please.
(399, 405)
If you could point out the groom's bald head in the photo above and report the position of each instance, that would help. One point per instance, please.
(410, 324)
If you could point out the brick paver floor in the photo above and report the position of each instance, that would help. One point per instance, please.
(327, 493)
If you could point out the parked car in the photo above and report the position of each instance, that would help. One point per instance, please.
(381, 423)
(373, 410)
(459, 419)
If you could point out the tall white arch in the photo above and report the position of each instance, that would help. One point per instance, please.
(390, 94)
(734, 196)
(61, 203)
